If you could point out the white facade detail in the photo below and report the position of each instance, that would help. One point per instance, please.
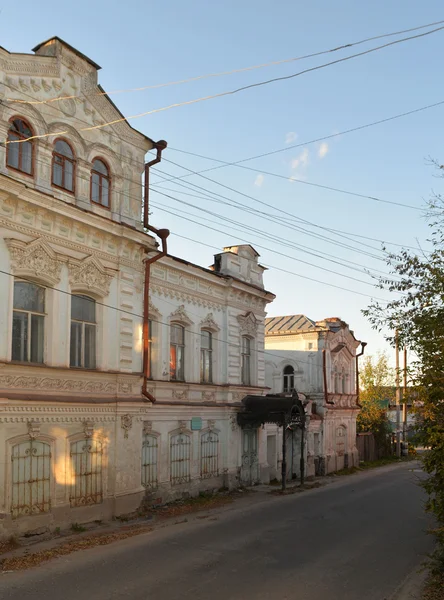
(318, 359)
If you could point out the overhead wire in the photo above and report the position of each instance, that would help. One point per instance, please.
(230, 92)
(233, 71)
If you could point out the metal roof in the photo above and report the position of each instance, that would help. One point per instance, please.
(288, 324)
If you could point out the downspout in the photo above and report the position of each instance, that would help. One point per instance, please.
(324, 373)
(363, 345)
(163, 235)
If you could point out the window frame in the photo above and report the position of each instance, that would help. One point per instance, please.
(64, 158)
(245, 361)
(29, 314)
(178, 376)
(209, 353)
(101, 176)
(286, 377)
(83, 339)
(22, 137)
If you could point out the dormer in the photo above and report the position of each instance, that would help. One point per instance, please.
(54, 95)
(240, 262)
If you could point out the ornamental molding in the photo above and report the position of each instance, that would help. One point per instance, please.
(126, 422)
(36, 259)
(248, 324)
(88, 428)
(180, 394)
(209, 323)
(89, 274)
(180, 315)
(182, 426)
(56, 420)
(57, 384)
(209, 396)
(233, 422)
(147, 426)
(153, 311)
(33, 429)
(194, 299)
(211, 423)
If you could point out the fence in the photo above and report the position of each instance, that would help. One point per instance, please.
(369, 449)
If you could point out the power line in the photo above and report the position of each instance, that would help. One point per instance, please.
(231, 92)
(278, 268)
(155, 320)
(233, 71)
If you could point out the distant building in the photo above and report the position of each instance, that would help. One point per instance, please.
(318, 359)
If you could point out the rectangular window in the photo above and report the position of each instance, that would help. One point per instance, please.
(28, 322)
(246, 361)
(177, 350)
(206, 357)
(150, 350)
(83, 332)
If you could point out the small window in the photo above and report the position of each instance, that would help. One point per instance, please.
(63, 166)
(177, 350)
(19, 153)
(246, 361)
(83, 332)
(206, 357)
(28, 322)
(288, 378)
(149, 373)
(100, 183)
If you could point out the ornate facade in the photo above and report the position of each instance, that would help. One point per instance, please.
(78, 439)
(319, 360)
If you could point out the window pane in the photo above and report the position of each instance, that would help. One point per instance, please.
(57, 172)
(37, 326)
(28, 296)
(105, 192)
(83, 308)
(205, 340)
(95, 188)
(100, 167)
(20, 336)
(90, 347)
(26, 148)
(69, 169)
(21, 127)
(246, 345)
(13, 152)
(180, 363)
(173, 362)
(177, 334)
(63, 148)
(205, 366)
(76, 345)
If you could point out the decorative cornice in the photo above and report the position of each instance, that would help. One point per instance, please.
(209, 323)
(126, 422)
(180, 315)
(36, 259)
(248, 324)
(89, 274)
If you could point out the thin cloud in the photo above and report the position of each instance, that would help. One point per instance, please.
(290, 137)
(259, 181)
(301, 160)
(323, 150)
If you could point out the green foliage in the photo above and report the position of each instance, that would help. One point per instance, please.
(418, 314)
(376, 379)
(77, 528)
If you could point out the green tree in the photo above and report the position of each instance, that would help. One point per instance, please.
(418, 314)
(376, 381)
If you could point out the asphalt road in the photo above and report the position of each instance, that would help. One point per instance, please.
(356, 539)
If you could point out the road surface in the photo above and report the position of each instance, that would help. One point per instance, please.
(355, 539)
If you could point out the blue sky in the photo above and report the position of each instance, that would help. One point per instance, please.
(144, 43)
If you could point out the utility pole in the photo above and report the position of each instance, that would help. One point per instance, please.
(404, 396)
(398, 400)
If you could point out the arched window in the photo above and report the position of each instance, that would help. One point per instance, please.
(86, 472)
(177, 351)
(28, 322)
(31, 478)
(63, 163)
(344, 382)
(100, 183)
(288, 378)
(149, 460)
(180, 458)
(206, 357)
(19, 154)
(246, 360)
(83, 332)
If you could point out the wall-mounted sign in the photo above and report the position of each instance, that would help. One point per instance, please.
(196, 423)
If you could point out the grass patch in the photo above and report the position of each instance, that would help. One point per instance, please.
(76, 528)
(381, 462)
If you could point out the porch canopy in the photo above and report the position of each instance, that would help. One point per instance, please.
(282, 410)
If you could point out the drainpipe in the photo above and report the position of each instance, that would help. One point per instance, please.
(363, 345)
(324, 372)
(163, 235)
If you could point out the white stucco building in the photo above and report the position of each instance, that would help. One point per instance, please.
(83, 434)
(319, 360)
